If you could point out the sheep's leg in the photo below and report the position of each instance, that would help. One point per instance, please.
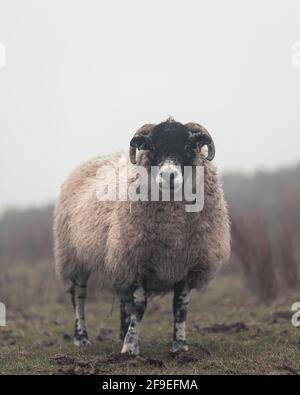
(78, 292)
(137, 309)
(125, 307)
(180, 306)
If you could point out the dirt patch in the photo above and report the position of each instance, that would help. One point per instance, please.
(70, 365)
(117, 358)
(184, 357)
(77, 370)
(132, 360)
(235, 327)
(63, 359)
(155, 362)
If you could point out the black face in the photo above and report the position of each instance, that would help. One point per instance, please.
(170, 140)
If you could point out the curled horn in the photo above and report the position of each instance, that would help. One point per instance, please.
(142, 131)
(196, 128)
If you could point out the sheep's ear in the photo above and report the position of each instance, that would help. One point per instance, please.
(199, 139)
(141, 142)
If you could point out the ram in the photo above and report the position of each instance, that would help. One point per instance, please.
(143, 248)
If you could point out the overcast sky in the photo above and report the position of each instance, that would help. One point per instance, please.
(82, 76)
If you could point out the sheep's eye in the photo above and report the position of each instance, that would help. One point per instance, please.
(144, 146)
(140, 143)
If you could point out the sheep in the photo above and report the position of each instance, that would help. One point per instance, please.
(144, 248)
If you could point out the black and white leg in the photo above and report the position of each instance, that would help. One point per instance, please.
(137, 308)
(125, 308)
(180, 306)
(78, 292)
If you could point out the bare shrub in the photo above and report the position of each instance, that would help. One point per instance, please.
(251, 244)
(265, 211)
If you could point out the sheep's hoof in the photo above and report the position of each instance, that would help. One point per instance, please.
(81, 342)
(130, 349)
(178, 346)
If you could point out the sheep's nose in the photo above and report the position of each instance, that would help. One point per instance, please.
(169, 177)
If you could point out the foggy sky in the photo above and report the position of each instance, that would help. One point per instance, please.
(82, 76)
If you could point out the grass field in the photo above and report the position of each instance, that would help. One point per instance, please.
(228, 334)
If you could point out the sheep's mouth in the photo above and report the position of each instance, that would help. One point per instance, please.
(170, 185)
(164, 187)
(170, 193)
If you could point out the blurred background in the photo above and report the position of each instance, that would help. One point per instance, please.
(80, 77)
